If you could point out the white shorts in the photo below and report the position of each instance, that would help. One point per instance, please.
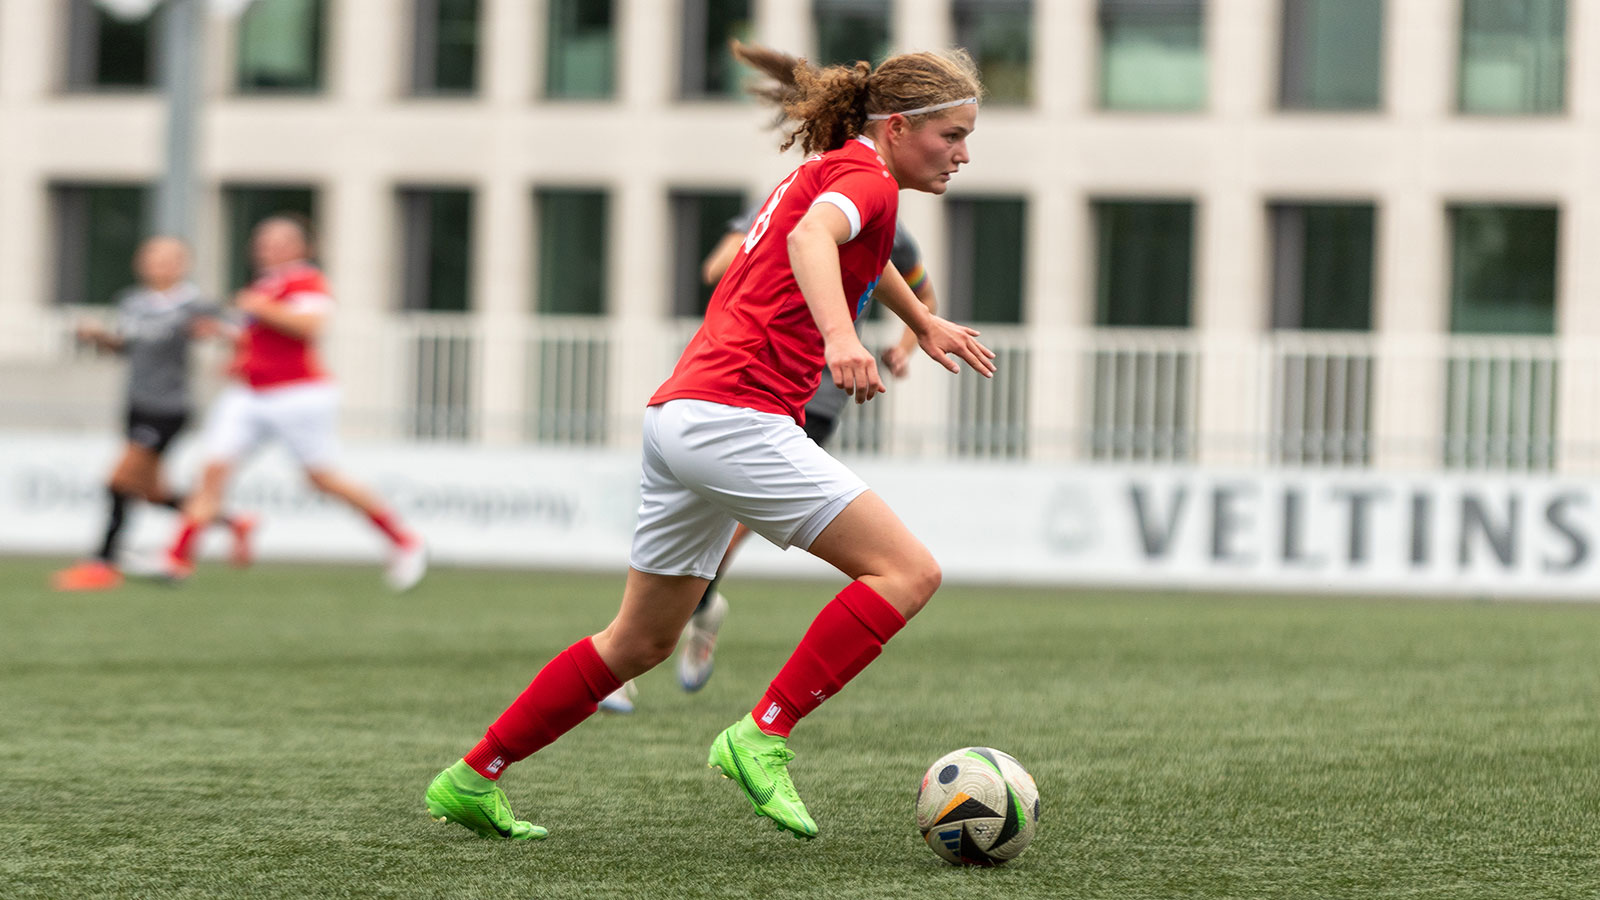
(304, 416)
(707, 465)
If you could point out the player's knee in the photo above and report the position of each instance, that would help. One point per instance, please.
(642, 653)
(923, 582)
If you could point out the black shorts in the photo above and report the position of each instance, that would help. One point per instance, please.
(820, 428)
(154, 430)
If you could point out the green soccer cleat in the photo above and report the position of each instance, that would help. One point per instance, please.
(485, 811)
(759, 764)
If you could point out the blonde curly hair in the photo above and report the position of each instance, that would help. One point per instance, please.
(830, 106)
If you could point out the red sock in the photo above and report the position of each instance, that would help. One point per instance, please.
(565, 692)
(183, 547)
(849, 633)
(391, 527)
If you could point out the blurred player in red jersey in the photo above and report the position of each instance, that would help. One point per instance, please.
(156, 323)
(281, 390)
(723, 441)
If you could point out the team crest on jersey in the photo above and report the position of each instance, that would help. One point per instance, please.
(866, 297)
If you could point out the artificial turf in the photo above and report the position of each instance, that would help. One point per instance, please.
(269, 733)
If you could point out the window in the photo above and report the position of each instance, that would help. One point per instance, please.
(700, 221)
(569, 367)
(1321, 281)
(1143, 390)
(1503, 269)
(444, 52)
(1144, 261)
(572, 251)
(1322, 266)
(106, 51)
(581, 50)
(436, 268)
(989, 417)
(97, 229)
(709, 69)
(280, 46)
(999, 35)
(1500, 406)
(987, 237)
(1332, 54)
(245, 206)
(851, 30)
(1513, 56)
(436, 276)
(1152, 55)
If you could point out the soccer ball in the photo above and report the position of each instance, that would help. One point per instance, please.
(977, 807)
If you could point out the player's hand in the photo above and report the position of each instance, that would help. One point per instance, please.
(943, 338)
(210, 327)
(89, 331)
(854, 370)
(897, 360)
(251, 303)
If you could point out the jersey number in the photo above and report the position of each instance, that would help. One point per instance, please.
(759, 229)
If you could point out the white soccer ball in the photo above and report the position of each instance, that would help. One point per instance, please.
(977, 807)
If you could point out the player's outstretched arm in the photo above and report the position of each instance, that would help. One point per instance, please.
(940, 338)
(91, 332)
(898, 357)
(299, 322)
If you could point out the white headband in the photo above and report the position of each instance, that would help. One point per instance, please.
(924, 109)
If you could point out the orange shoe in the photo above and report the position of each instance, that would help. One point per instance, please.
(240, 557)
(94, 575)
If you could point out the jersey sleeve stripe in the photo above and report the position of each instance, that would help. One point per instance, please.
(846, 206)
(309, 302)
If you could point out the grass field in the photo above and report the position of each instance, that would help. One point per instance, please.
(270, 733)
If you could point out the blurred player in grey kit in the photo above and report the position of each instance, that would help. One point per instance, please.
(156, 320)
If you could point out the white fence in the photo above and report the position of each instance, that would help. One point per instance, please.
(1280, 399)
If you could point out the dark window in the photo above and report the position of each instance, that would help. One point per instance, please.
(987, 238)
(1144, 261)
(1503, 269)
(709, 69)
(852, 30)
(1143, 392)
(700, 222)
(1322, 266)
(97, 229)
(1500, 403)
(999, 35)
(1321, 391)
(581, 50)
(436, 268)
(280, 46)
(1332, 54)
(572, 251)
(445, 47)
(108, 52)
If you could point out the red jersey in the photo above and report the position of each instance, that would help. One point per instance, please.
(759, 346)
(265, 357)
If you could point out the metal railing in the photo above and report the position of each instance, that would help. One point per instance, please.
(1296, 399)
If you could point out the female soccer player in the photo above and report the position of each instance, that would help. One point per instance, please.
(157, 320)
(696, 649)
(723, 441)
(280, 390)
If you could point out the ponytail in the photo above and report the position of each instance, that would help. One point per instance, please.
(830, 106)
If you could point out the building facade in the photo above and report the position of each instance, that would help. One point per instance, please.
(1295, 232)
